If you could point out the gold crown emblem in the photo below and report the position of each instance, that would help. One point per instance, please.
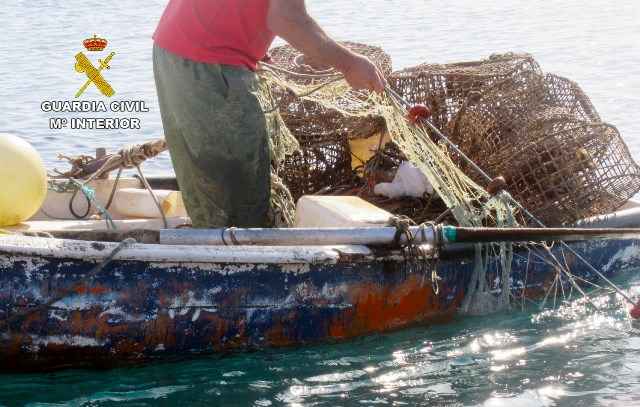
(95, 43)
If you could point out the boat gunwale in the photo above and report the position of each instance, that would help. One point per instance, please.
(42, 247)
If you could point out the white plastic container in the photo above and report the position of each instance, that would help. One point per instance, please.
(316, 211)
(138, 203)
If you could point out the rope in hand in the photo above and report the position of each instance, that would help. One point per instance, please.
(272, 69)
(69, 291)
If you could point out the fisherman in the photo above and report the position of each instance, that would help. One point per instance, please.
(205, 56)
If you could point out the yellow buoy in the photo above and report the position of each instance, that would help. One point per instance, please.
(23, 180)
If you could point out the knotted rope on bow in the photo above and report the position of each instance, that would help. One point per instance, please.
(91, 168)
(84, 166)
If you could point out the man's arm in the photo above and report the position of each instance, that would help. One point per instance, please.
(289, 20)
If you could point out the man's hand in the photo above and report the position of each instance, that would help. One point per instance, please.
(361, 73)
(289, 20)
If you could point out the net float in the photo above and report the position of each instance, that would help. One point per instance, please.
(418, 111)
(496, 184)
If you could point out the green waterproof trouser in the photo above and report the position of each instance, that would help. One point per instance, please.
(218, 140)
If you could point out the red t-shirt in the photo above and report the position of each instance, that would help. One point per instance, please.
(231, 32)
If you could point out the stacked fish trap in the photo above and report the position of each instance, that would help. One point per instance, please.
(323, 131)
(445, 87)
(541, 132)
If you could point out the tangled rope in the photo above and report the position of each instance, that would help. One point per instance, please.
(415, 254)
(91, 197)
(128, 157)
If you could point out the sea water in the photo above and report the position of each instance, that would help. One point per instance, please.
(570, 355)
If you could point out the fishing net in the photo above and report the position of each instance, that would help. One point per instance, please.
(468, 203)
(320, 127)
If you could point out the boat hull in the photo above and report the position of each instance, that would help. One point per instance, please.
(135, 309)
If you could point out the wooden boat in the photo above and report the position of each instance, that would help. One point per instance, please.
(75, 303)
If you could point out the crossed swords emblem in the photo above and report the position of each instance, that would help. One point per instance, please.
(93, 73)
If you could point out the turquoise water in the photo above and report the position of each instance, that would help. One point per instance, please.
(570, 356)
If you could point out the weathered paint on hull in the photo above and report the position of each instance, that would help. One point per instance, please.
(135, 310)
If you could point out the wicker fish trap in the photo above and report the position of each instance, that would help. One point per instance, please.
(533, 129)
(316, 165)
(322, 130)
(563, 168)
(445, 87)
(311, 121)
(492, 120)
(564, 93)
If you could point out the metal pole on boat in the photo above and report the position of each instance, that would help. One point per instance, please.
(434, 235)
(635, 310)
(298, 236)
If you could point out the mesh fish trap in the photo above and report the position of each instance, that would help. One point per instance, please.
(310, 120)
(492, 120)
(444, 87)
(564, 168)
(533, 129)
(292, 60)
(322, 124)
(562, 92)
(318, 164)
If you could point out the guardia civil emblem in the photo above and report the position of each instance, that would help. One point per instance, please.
(83, 65)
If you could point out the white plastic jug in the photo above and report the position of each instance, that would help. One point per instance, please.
(139, 203)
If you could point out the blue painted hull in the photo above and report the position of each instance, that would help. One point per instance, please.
(139, 310)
